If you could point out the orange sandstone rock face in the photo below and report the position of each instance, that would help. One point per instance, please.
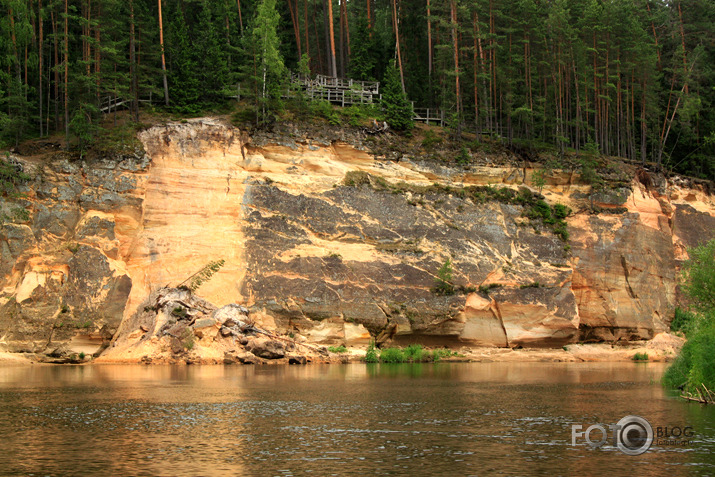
(330, 263)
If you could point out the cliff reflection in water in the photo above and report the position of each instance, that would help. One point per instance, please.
(452, 419)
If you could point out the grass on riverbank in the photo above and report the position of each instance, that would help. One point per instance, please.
(414, 353)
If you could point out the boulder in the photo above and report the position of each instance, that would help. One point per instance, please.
(265, 347)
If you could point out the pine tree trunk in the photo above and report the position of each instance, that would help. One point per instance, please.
(395, 24)
(133, 64)
(341, 42)
(296, 24)
(163, 57)
(56, 69)
(98, 51)
(66, 53)
(240, 17)
(40, 48)
(455, 44)
(307, 36)
(333, 63)
(429, 43)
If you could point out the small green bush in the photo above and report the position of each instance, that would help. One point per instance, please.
(431, 140)
(443, 283)
(464, 158)
(682, 321)
(392, 355)
(371, 356)
(337, 349)
(356, 178)
(442, 353)
(531, 285)
(415, 353)
(561, 211)
(640, 357)
(695, 365)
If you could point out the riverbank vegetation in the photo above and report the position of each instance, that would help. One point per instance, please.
(693, 371)
(628, 79)
(414, 353)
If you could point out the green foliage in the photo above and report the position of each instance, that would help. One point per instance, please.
(640, 357)
(356, 178)
(392, 355)
(324, 109)
(694, 368)
(683, 320)
(398, 110)
(337, 349)
(443, 284)
(11, 176)
(438, 354)
(362, 51)
(188, 341)
(431, 140)
(202, 276)
(415, 353)
(695, 365)
(531, 285)
(699, 276)
(179, 312)
(265, 48)
(464, 158)
(486, 288)
(371, 356)
(83, 127)
(561, 211)
(538, 179)
(184, 81)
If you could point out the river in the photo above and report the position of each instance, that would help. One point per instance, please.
(419, 419)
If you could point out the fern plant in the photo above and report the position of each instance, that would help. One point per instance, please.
(202, 276)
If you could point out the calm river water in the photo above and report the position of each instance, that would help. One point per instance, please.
(428, 419)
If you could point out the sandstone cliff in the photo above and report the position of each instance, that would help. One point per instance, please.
(324, 242)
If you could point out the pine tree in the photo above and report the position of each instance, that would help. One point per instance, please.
(398, 110)
(184, 78)
(212, 61)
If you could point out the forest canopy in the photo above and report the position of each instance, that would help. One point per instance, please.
(632, 78)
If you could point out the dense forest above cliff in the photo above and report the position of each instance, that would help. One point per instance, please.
(632, 79)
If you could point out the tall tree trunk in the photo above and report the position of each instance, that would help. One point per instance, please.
(40, 48)
(474, 74)
(305, 27)
(296, 24)
(163, 57)
(643, 124)
(98, 50)
(133, 65)
(429, 42)
(333, 64)
(685, 57)
(56, 69)
(341, 42)
(455, 45)
(655, 36)
(67, 72)
(396, 27)
(369, 17)
(240, 17)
